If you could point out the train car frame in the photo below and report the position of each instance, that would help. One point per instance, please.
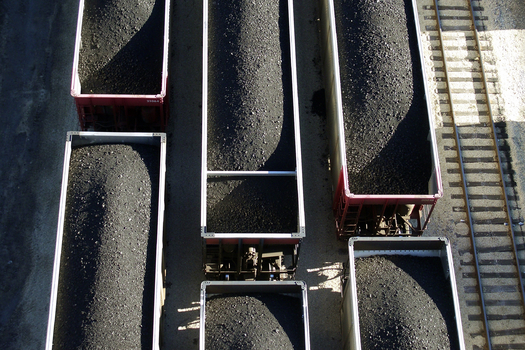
(76, 139)
(121, 112)
(248, 255)
(370, 214)
(293, 288)
(425, 247)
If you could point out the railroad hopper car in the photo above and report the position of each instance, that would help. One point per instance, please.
(252, 211)
(120, 66)
(400, 293)
(385, 178)
(108, 275)
(227, 310)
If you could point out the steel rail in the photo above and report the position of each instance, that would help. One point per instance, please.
(497, 150)
(463, 177)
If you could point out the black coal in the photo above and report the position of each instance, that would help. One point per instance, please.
(404, 303)
(105, 292)
(385, 115)
(122, 47)
(250, 120)
(254, 321)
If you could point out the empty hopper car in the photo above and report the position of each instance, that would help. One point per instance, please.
(384, 165)
(120, 66)
(108, 276)
(252, 211)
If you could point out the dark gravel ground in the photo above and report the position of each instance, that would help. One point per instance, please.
(105, 295)
(122, 44)
(253, 204)
(404, 303)
(386, 121)
(254, 321)
(250, 120)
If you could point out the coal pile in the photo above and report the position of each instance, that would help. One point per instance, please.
(404, 303)
(122, 47)
(254, 321)
(385, 115)
(105, 291)
(250, 112)
(252, 205)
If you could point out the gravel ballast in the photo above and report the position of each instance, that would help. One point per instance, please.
(250, 114)
(122, 47)
(252, 205)
(404, 303)
(254, 321)
(385, 115)
(105, 292)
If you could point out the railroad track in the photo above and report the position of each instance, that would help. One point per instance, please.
(479, 173)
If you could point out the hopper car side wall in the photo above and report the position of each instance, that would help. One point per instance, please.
(343, 197)
(332, 86)
(78, 139)
(118, 112)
